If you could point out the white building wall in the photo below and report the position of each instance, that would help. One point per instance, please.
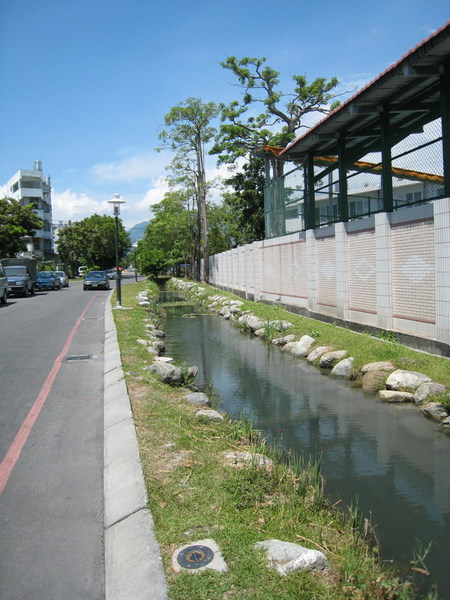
(390, 271)
(26, 185)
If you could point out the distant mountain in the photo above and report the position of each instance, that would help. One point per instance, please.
(137, 231)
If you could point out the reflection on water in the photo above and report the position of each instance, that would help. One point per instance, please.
(395, 462)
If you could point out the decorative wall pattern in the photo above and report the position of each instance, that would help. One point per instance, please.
(293, 270)
(362, 272)
(326, 271)
(413, 262)
(271, 283)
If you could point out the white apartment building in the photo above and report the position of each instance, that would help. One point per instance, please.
(30, 186)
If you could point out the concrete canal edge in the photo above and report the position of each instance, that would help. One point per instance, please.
(133, 564)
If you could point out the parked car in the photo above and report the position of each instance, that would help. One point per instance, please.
(96, 280)
(48, 280)
(3, 286)
(63, 278)
(21, 273)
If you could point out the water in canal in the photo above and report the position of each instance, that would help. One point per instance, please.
(393, 461)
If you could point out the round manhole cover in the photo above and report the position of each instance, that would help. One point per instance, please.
(194, 557)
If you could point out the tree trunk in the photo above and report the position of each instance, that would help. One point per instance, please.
(201, 201)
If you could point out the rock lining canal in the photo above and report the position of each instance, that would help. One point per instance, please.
(386, 458)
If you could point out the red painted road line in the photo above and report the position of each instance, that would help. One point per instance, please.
(13, 454)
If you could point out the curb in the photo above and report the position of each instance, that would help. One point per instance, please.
(133, 564)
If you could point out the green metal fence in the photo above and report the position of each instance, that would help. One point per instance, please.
(416, 175)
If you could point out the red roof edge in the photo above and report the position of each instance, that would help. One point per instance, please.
(368, 85)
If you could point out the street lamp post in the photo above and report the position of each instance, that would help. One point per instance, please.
(116, 201)
(135, 246)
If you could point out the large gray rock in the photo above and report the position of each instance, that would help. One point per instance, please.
(396, 396)
(240, 459)
(287, 557)
(192, 372)
(317, 353)
(377, 366)
(301, 348)
(288, 346)
(400, 380)
(253, 323)
(198, 399)
(280, 325)
(328, 359)
(168, 373)
(434, 410)
(234, 309)
(158, 345)
(282, 341)
(344, 368)
(428, 389)
(208, 414)
(373, 381)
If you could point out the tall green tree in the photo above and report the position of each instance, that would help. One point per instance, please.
(247, 201)
(281, 115)
(188, 132)
(91, 242)
(16, 222)
(244, 129)
(223, 228)
(167, 241)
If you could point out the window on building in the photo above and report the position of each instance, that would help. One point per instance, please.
(31, 184)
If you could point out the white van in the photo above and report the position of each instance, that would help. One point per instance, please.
(82, 271)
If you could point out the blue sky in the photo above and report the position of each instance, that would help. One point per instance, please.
(86, 84)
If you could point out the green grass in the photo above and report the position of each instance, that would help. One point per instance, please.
(193, 495)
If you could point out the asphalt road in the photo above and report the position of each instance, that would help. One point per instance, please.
(51, 446)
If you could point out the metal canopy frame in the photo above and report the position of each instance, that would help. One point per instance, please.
(401, 101)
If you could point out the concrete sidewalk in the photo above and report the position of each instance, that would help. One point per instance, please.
(133, 564)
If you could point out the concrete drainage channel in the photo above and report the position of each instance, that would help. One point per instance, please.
(133, 564)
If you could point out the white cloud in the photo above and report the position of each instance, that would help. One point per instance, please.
(155, 193)
(144, 165)
(71, 206)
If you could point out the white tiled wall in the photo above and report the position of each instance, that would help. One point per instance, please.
(392, 276)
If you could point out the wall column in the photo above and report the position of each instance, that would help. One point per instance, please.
(311, 268)
(384, 271)
(442, 268)
(340, 233)
(386, 175)
(310, 194)
(342, 170)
